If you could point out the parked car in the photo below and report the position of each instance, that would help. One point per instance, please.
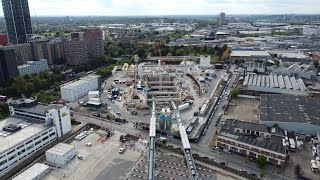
(80, 157)
(122, 150)
(242, 170)
(314, 167)
(253, 174)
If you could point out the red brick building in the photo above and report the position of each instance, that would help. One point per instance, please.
(3, 39)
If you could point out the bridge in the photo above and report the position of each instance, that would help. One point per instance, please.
(193, 175)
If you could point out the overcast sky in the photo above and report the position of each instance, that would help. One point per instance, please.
(169, 7)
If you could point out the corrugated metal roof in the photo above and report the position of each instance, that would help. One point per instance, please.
(259, 81)
(271, 81)
(287, 82)
(294, 83)
(301, 85)
(254, 82)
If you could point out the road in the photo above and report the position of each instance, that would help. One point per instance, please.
(205, 140)
(123, 128)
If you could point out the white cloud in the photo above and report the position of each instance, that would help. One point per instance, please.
(168, 7)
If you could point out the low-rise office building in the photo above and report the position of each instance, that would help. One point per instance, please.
(252, 140)
(33, 67)
(293, 113)
(30, 127)
(36, 172)
(60, 154)
(74, 90)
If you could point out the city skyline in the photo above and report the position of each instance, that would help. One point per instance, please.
(166, 7)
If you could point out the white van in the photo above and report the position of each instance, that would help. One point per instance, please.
(314, 166)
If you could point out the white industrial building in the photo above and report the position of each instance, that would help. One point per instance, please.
(205, 61)
(30, 127)
(239, 25)
(94, 98)
(32, 67)
(60, 154)
(74, 90)
(250, 55)
(311, 30)
(36, 172)
(275, 84)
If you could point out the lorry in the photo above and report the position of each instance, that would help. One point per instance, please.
(184, 106)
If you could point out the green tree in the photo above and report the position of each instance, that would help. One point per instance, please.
(316, 63)
(226, 54)
(180, 52)
(164, 141)
(277, 62)
(4, 110)
(262, 161)
(234, 92)
(57, 34)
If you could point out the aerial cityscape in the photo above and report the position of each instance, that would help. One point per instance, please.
(184, 89)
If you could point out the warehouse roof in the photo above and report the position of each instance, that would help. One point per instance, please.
(262, 144)
(256, 65)
(249, 53)
(231, 124)
(289, 108)
(60, 149)
(275, 81)
(8, 140)
(32, 172)
(80, 82)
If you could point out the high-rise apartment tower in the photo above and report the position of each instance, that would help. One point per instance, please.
(18, 22)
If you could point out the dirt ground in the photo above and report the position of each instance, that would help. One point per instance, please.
(243, 109)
